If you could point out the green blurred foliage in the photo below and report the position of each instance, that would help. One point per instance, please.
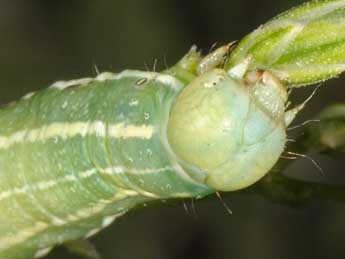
(44, 41)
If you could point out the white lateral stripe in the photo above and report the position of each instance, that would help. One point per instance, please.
(65, 84)
(25, 234)
(121, 169)
(162, 78)
(43, 252)
(70, 130)
(130, 131)
(44, 185)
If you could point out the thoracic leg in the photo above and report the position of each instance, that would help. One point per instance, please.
(214, 59)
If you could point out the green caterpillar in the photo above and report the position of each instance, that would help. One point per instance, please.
(81, 153)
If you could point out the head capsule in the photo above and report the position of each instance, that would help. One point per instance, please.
(232, 130)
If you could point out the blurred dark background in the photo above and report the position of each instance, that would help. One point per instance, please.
(44, 41)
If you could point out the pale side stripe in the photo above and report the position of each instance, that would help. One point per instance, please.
(121, 169)
(70, 130)
(28, 95)
(161, 78)
(43, 252)
(130, 131)
(164, 79)
(65, 84)
(105, 223)
(25, 234)
(44, 185)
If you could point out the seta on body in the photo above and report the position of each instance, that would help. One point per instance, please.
(78, 155)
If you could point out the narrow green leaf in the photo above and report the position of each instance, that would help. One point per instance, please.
(302, 46)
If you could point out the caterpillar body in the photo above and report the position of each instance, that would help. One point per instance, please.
(72, 159)
(79, 154)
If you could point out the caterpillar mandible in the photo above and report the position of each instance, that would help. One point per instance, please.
(81, 153)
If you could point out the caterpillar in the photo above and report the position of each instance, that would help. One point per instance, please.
(81, 153)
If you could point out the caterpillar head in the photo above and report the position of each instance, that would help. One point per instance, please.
(230, 126)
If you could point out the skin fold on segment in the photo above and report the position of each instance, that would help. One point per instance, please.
(79, 154)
